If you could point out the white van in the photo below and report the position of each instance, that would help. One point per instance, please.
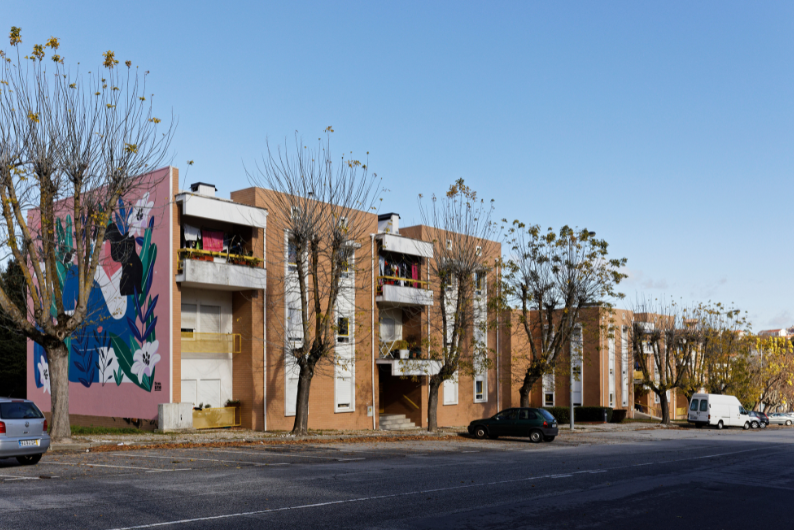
(717, 410)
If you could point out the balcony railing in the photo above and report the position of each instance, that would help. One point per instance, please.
(208, 255)
(193, 342)
(401, 282)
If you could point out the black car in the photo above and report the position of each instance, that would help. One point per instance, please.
(758, 419)
(538, 424)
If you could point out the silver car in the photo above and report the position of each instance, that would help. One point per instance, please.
(781, 418)
(23, 431)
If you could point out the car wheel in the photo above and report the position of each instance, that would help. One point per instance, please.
(548, 438)
(746, 425)
(480, 432)
(535, 437)
(788, 422)
(720, 425)
(754, 425)
(29, 460)
(762, 425)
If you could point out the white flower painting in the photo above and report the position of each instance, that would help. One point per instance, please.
(44, 375)
(145, 359)
(138, 219)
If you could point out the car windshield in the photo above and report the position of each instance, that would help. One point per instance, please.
(546, 414)
(19, 411)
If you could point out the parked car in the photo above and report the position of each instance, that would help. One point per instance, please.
(538, 424)
(718, 410)
(23, 431)
(758, 419)
(780, 418)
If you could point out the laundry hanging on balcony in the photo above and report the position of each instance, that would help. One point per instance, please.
(192, 233)
(213, 241)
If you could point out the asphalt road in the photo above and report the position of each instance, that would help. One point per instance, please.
(649, 480)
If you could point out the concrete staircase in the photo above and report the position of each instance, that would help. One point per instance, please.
(395, 422)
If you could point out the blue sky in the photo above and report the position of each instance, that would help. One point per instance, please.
(665, 127)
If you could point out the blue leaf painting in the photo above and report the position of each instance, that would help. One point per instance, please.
(149, 329)
(134, 328)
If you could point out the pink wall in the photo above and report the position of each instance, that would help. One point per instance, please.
(131, 380)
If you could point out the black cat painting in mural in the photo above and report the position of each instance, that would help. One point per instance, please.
(122, 250)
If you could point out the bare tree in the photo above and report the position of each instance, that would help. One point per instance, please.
(551, 277)
(664, 337)
(461, 230)
(69, 145)
(326, 211)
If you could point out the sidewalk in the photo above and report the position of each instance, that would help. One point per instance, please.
(220, 437)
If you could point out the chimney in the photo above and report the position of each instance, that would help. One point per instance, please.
(202, 188)
(389, 223)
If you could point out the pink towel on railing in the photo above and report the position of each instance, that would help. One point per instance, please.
(415, 273)
(213, 241)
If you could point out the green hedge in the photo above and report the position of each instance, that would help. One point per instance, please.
(580, 413)
(619, 415)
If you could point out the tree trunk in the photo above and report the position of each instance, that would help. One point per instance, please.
(58, 360)
(432, 403)
(665, 406)
(301, 426)
(526, 387)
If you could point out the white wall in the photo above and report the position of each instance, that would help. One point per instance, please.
(207, 377)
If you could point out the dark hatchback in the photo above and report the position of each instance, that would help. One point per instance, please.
(538, 424)
(760, 418)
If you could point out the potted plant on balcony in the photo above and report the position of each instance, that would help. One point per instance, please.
(233, 403)
(402, 347)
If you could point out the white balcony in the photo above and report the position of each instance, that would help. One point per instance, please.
(411, 367)
(405, 245)
(220, 276)
(404, 295)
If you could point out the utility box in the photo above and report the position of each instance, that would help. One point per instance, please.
(175, 417)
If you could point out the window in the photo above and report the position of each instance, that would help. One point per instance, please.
(387, 329)
(295, 325)
(343, 223)
(480, 389)
(209, 318)
(694, 405)
(343, 329)
(478, 251)
(451, 390)
(449, 244)
(526, 414)
(479, 283)
(704, 405)
(296, 212)
(548, 390)
(548, 399)
(292, 256)
(188, 320)
(19, 411)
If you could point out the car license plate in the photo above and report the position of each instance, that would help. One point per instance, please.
(28, 443)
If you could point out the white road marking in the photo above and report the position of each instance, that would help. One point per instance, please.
(104, 465)
(17, 477)
(559, 476)
(268, 453)
(469, 451)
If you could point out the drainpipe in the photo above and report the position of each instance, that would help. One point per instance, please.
(372, 329)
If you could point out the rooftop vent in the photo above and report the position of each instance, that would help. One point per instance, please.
(389, 223)
(202, 188)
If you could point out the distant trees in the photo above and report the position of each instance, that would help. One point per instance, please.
(550, 277)
(771, 372)
(70, 144)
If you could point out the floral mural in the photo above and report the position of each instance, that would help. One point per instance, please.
(118, 343)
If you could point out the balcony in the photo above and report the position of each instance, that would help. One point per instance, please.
(411, 367)
(638, 377)
(403, 291)
(220, 270)
(193, 342)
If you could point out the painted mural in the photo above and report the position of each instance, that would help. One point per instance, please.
(116, 359)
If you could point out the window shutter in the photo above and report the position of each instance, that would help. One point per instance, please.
(210, 319)
(189, 317)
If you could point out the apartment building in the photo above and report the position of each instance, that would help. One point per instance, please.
(197, 309)
(595, 369)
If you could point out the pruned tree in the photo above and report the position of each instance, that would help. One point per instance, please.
(70, 144)
(664, 336)
(550, 277)
(325, 208)
(461, 229)
(13, 346)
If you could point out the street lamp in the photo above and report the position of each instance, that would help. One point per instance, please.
(591, 234)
